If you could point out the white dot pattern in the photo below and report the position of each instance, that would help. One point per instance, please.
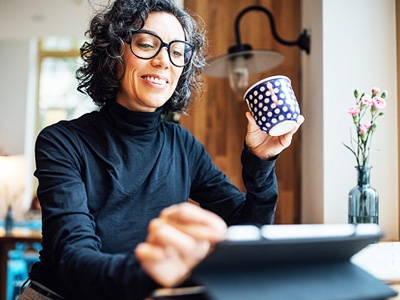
(272, 102)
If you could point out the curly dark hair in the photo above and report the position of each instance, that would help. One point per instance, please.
(99, 77)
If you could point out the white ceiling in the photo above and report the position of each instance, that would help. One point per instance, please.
(20, 19)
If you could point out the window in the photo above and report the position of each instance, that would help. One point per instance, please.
(58, 97)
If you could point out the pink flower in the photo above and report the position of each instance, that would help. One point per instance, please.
(370, 107)
(375, 90)
(364, 127)
(379, 103)
(366, 100)
(354, 110)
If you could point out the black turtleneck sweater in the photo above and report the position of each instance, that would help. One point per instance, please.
(104, 176)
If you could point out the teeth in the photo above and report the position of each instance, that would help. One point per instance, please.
(156, 80)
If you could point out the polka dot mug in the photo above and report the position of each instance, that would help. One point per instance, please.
(273, 105)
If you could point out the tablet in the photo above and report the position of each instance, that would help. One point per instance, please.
(310, 262)
(248, 245)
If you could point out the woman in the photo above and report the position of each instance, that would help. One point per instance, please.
(114, 184)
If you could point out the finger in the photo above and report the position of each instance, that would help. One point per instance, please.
(195, 221)
(200, 232)
(149, 252)
(251, 122)
(162, 264)
(180, 244)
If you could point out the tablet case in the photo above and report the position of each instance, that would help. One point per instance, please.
(309, 262)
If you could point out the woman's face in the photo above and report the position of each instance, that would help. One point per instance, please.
(148, 83)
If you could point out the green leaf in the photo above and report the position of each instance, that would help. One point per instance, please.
(349, 148)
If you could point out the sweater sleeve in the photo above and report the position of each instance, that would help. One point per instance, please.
(71, 248)
(213, 190)
(262, 189)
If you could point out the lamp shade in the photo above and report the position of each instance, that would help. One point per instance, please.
(239, 66)
(241, 61)
(256, 61)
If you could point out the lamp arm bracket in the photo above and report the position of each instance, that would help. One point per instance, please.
(303, 41)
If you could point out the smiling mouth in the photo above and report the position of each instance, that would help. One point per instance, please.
(155, 80)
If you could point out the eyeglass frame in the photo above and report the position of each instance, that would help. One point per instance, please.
(162, 45)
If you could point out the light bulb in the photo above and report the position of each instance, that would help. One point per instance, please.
(239, 75)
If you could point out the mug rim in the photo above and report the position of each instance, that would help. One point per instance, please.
(263, 80)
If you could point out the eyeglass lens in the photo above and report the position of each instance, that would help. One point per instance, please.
(145, 45)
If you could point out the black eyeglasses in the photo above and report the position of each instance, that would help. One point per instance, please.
(146, 45)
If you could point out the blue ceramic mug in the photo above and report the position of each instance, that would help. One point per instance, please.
(273, 104)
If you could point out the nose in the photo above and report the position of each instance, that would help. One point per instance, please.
(161, 59)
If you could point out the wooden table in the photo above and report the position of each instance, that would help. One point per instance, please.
(7, 243)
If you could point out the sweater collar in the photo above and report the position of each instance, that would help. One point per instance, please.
(132, 122)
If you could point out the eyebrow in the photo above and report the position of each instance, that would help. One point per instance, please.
(150, 31)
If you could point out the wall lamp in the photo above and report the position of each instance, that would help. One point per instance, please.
(242, 60)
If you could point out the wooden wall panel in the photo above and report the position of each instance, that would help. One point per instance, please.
(217, 119)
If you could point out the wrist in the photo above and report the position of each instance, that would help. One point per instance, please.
(259, 154)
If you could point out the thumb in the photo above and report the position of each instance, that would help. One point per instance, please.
(252, 125)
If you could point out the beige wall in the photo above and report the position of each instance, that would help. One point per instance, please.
(353, 46)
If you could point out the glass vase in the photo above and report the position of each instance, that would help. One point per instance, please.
(363, 199)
